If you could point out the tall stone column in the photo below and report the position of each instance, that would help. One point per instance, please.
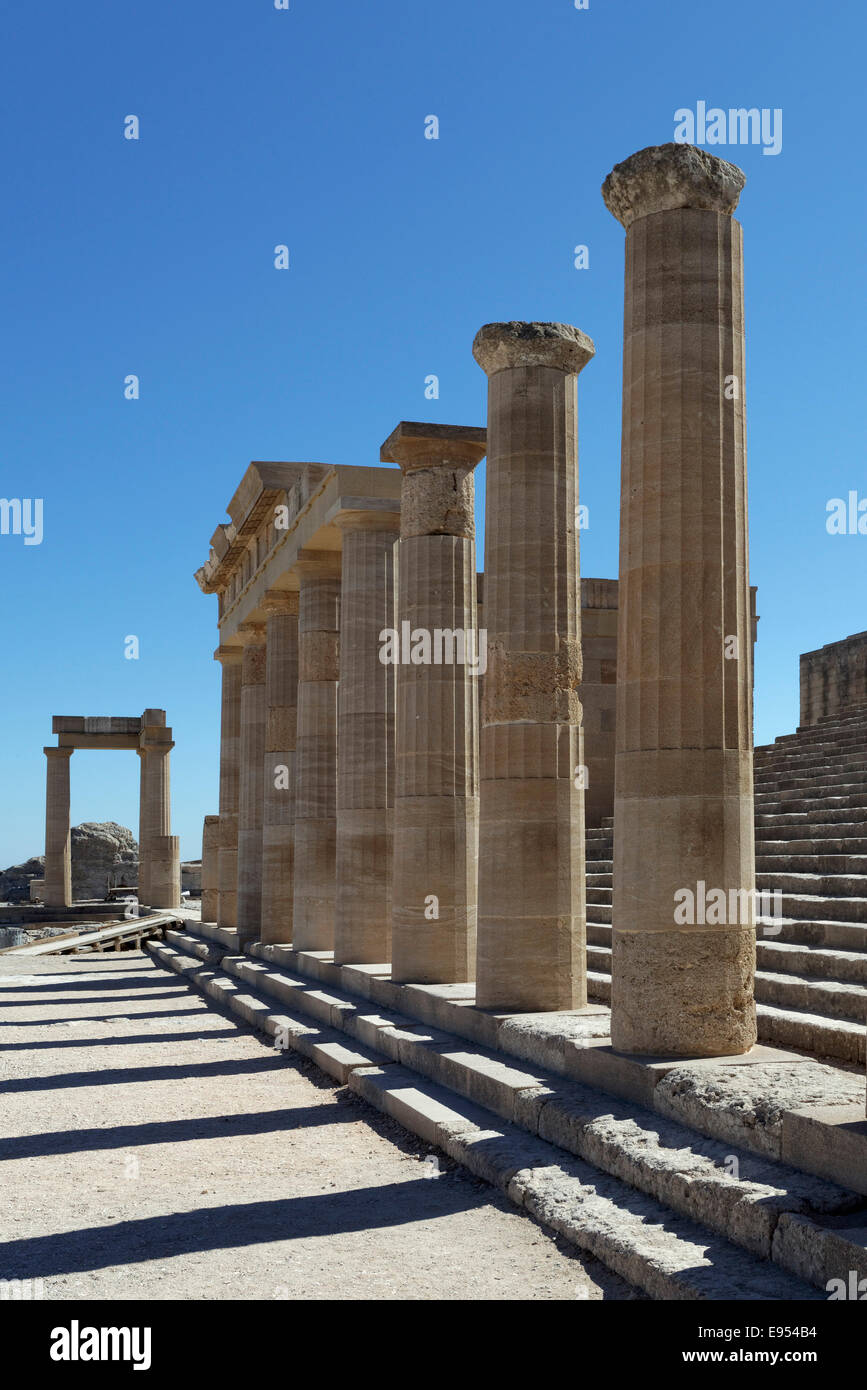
(281, 713)
(230, 659)
(683, 808)
(436, 817)
(316, 753)
(365, 739)
(251, 789)
(210, 868)
(57, 889)
(159, 851)
(532, 927)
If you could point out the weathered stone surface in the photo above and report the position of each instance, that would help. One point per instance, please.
(746, 1105)
(663, 177)
(15, 881)
(498, 346)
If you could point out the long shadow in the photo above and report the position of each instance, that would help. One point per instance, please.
(57, 982)
(172, 1131)
(221, 1228)
(194, 1035)
(112, 998)
(123, 1076)
(102, 1018)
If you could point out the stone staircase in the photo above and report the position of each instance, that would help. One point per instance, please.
(811, 846)
(676, 1211)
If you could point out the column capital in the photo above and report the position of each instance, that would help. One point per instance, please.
(499, 346)
(665, 177)
(252, 634)
(280, 601)
(414, 444)
(52, 752)
(229, 656)
(317, 564)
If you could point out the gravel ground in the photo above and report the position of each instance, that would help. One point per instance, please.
(155, 1149)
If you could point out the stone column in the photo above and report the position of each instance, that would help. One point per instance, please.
(230, 659)
(316, 754)
(683, 809)
(251, 789)
(57, 889)
(159, 849)
(436, 821)
(210, 868)
(531, 940)
(365, 739)
(281, 712)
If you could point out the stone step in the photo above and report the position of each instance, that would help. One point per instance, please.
(839, 816)
(814, 905)
(817, 856)
(841, 885)
(840, 1039)
(813, 962)
(766, 802)
(829, 999)
(675, 1213)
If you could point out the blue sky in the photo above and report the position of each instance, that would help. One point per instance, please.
(305, 127)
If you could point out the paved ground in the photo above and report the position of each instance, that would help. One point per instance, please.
(154, 1149)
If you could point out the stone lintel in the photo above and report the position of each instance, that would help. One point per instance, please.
(376, 518)
(229, 656)
(417, 444)
(662, 178)
(500, 346)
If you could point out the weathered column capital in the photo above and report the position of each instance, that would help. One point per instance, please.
(317, 564)
(229, 656)
(414, 444)
(665, 177)
(251, 634)
(499, 346)
(280, 602)
(52, 752)
(437, 462)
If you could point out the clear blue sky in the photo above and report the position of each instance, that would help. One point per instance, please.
(306, 127)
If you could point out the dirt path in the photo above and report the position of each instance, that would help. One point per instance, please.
(154, 1149)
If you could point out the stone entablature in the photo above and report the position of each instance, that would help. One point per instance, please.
(833, 678)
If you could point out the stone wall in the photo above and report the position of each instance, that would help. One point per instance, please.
(834, 678)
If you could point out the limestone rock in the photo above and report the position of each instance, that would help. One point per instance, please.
(104, 855)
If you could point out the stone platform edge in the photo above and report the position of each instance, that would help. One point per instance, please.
(825, 1134)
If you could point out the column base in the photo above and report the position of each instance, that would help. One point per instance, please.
(683, 993)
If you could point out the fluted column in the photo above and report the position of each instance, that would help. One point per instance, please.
(281, 713)
(532, 930)
(159, 850)
(57, 890)
(683, 809)
(316, 752)
(251, 789)
(210, 868)
(365, 740)
(437, 788)
(230, 659)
